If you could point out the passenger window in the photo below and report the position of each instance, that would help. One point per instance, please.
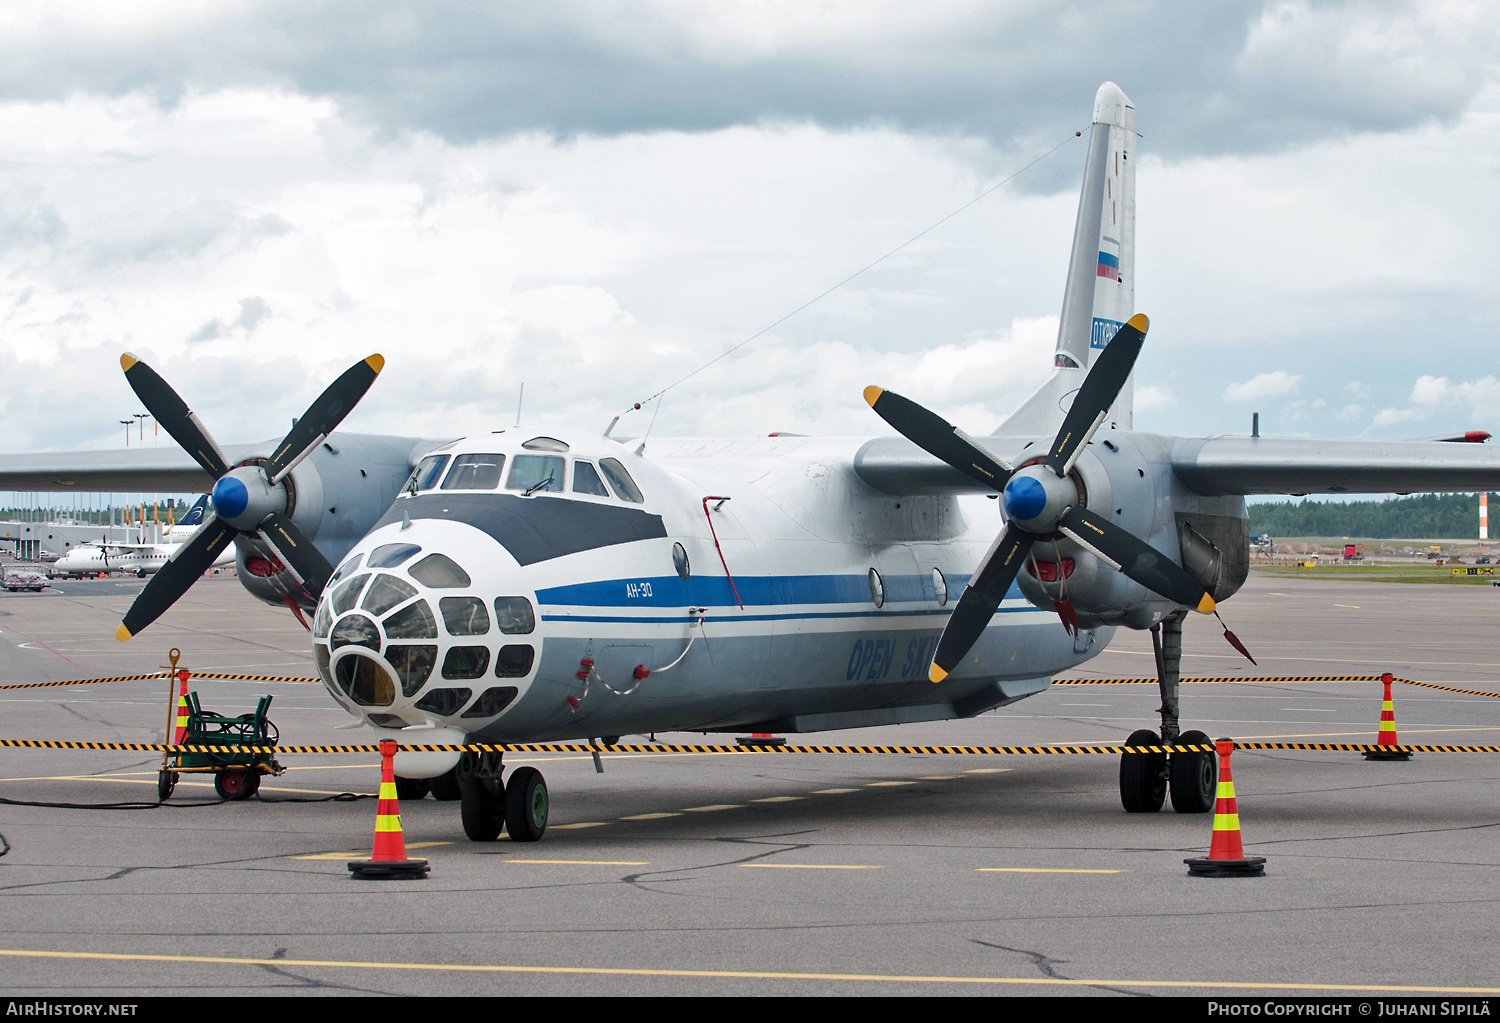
(464, 616)
(414, 621)
(440, 572)
(514, 616)
(466, 662)
(347, 593)
(514, 661)
(392, 554)
(475, 472)
(532, 473)
(386, 592)
(586, 480)
(428, 471)
(620, 479)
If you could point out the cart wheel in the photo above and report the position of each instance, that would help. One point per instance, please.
(166, 781)
(252, 783)
(233, 784)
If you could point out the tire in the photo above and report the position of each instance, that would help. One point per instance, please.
(446, 787)
(483, 814)
(166, 781)
(1194, 776)
(1143, 782)
(526, 805)
(235, 784)
(410, 788)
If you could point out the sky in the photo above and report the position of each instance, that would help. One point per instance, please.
(597, 198)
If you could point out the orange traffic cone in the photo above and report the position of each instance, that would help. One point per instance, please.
(180, 732)
(1387, 736)
(388, 860)
(1226, 856)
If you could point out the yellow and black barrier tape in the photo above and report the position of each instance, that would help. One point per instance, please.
(1448, 689)
(575, 747)
(159, 675)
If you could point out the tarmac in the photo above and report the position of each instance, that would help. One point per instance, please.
(773, 874)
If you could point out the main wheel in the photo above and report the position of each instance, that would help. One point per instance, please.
(526, 805)
(1195, 776)
(1143, 776)
(234, 784)
(166, 781)
(483, 814)
(410, 788)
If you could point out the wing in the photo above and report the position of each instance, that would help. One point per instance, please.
(165, 470)
(1297, 465)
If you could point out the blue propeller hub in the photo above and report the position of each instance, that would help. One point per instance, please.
(1025, 497)
(243, 498)
(230, 498)
(1036, 497)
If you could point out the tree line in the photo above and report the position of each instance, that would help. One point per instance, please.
(1445, 516)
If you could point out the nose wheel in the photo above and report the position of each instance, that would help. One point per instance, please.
(519, 806)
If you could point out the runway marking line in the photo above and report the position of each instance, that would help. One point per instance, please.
(778, 799)
(585, 863)
(1043, 870)
(580, 824)
(142, 957)
(650, 816)
(886, 784)
(817, 866)
(939, 777)
(993, 770)
(714, 806)
(833, 792)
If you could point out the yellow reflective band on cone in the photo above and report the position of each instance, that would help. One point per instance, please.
(388, 822)
(1225, 790)
(387, 790)
(1226, 822)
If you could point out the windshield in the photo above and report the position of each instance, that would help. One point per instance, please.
(533, 473)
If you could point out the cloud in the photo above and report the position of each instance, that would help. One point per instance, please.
(1154, 399)
(1241, 76)
(1262, 386)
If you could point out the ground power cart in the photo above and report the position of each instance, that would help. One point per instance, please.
(233, 760)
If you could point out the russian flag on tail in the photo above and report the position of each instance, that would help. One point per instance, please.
(1109, 266)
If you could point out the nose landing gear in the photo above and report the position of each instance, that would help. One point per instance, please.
(487, 805)
(1146, 778)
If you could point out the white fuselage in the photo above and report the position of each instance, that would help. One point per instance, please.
(135, 559)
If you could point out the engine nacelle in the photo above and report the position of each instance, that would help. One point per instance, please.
(1128, 478)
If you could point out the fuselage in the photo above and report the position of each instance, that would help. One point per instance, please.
(144, 559)
(717, 585)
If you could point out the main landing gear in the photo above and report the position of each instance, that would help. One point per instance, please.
(1146, 778)
(487, 805)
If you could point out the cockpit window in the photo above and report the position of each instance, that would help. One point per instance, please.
(347, 593)
(358, 630)
(414, 621)
(514, 615)
(413, 665)
(586, 480)
(346, 568)
(464, 616)
(440, 572)
(428, 471)
(392, 554)
(475, 472)
(620, 479)
(545, 444)
(532, 473)
(386, 592)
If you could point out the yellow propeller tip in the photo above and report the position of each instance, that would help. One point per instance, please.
(937, 674)
(1207, 605)
(376, 362)
(1139, 322)
(127, 360)
(872, 394)
(122, 633)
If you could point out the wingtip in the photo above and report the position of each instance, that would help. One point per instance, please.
(1206, 605)
(1139, 322)
(122, 633)
(376, 362)
(872, 394)
(936, 674)
(127, 360)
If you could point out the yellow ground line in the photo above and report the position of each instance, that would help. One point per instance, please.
(939, 777)
(182, 783)
(1331, 735)
(650, 816)
(712, 807)
(833, 792)
(999, 770)
(580, 824)
(587, 863)
(818, 866)
(1043, 870)
(885, 784)
(744, 974)
(778, 799)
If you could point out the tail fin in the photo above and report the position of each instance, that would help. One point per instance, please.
(1100, 294)
(194, 515)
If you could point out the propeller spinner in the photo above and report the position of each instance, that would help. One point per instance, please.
(1041, 500)
(247, 500)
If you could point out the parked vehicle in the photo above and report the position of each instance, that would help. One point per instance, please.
(25, 579)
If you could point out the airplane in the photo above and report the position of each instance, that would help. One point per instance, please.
(138, 559)
(522, 585)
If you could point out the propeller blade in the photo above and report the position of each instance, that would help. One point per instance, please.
(980, 599)
(323, 416)
(1100, 388)
(297, 553)
(174, 578)
(1135, 558)
(938, 437)
(174, 415)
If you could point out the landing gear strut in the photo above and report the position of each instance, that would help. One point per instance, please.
(1145, 778)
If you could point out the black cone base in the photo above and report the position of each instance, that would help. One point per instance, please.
(1250, 866)
(1383, 755)
(756, 740)
(388, 870)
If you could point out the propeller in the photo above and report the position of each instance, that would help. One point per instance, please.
(1040, 500)
(247, 500)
